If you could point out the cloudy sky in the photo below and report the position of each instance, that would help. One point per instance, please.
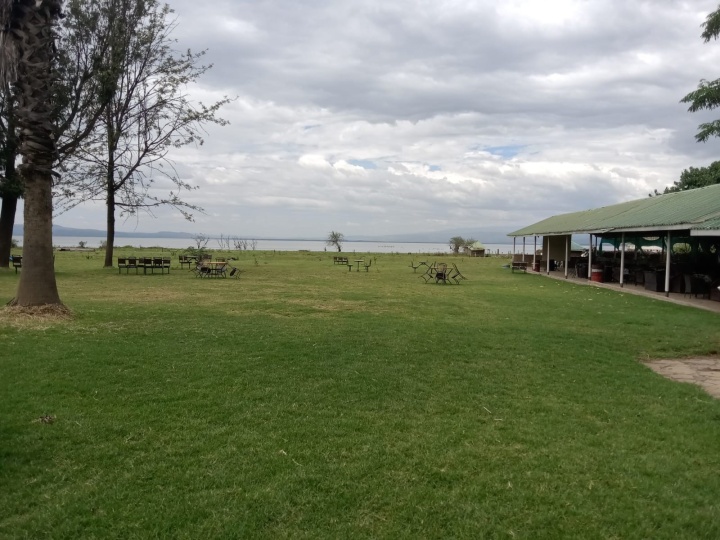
(376, 117)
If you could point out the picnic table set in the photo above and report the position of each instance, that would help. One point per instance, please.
(435, 272)
(201, 266)
(439, 272)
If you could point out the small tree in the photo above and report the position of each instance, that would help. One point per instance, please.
(201, 241)
(455, 243)
(335, 239)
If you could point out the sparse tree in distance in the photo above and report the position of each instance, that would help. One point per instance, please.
(335, 239)
(456, 243)
(201, 241)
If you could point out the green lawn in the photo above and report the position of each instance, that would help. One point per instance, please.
(305, 401)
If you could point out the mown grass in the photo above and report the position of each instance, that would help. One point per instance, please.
(305, 401)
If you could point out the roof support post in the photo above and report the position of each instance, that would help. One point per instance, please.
(622, 260)
(514, 238)
(667, 265)
(567, 255)
(547, 257)
(534, 251)
(523, 249)
(590, 258)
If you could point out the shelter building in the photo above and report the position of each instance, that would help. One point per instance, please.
(668, 243)
(475, 250)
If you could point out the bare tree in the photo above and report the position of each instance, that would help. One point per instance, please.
(224, 242)
(201, 241)
(148, 113)
(335, 239)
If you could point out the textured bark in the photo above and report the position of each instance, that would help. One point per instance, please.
(110, 239)
(11, 188)
(30, 29)
(7, 220)
(37, 285)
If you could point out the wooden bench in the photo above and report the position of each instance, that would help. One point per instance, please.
(518, 265)
(340, 260)
(16, 262)
(185, 259)
(154, 263)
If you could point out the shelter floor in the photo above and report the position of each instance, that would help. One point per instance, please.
(675, 298)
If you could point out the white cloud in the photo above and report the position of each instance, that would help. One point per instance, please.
(424, 114)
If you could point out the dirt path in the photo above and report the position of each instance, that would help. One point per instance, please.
(705, 372)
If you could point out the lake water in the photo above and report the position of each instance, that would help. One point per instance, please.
(281, 245)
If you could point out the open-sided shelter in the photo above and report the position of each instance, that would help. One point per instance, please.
(683, 228)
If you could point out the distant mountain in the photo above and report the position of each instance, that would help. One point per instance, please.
(487, 236)
(59, 230)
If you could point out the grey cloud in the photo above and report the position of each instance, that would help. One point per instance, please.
(585, 93)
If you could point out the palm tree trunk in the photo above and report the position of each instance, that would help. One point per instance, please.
(37, 285)
(30, 28)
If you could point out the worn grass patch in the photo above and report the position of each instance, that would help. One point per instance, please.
(36, 317)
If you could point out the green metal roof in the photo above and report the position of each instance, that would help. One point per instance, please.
(694, 209)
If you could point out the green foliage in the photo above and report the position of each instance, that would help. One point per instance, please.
(695, 177)
(304, 401)
(707, 95)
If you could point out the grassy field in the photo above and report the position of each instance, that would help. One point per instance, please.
(306, 401)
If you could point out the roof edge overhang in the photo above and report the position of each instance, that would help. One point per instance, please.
(655, 229)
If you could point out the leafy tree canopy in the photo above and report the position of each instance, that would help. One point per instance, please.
(335, 239)
(695, 177)
(458, 242)
(707, 95)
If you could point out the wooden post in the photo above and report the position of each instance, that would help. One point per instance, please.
(667, 266)
(622, 261)
(589, 273)
(567, 254)
(534, 250)
(547, 257)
